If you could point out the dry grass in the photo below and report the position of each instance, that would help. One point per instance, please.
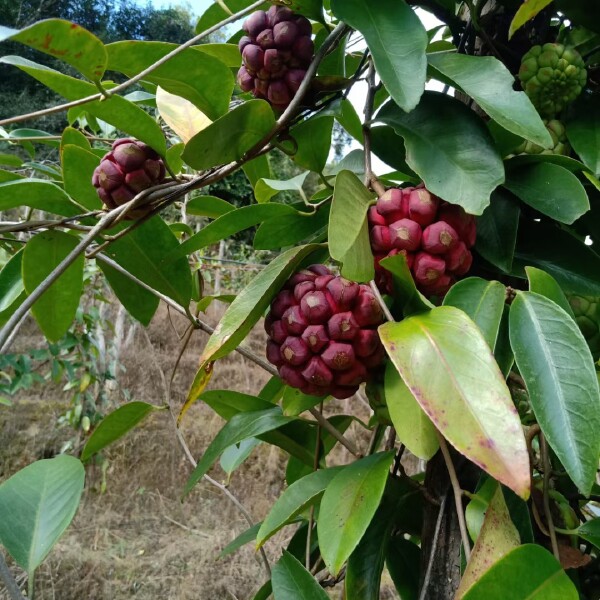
(137, 539)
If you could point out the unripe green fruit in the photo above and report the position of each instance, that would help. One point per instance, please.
(587, 316)
(560, 145)
(552, 76)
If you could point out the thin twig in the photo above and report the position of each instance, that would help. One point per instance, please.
(434, 545)
(547, 511)
(325, 424)
(311, 516)
(384, 307)
(457, 495)
(14, 592)
(140, 75)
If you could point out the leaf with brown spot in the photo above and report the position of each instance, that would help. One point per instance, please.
(498, 536)
(65, 40)
(444, 359)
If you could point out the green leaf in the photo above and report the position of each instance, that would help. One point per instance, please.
(527, 11)
(78, 167)
(73, 136)
(414, 428)
(5, 401)
(450, 148)
(291, 581)
(66, 41)
(142, 253)
(259, 167)
(295, 402)
(449, 367)
(497, 230)
(247, 536)
(115, 425)
(291, 229)
(208, 206)
(295, 499)
(265, 189)
(357, 264)
(231, 222)
(10, 160)
(348, 505)
(251, 303)
(313, 9)
(527, 572)
(590, 531)
(497, 537)
(230, 136)
(412, 301)
(365, 565)
(490, 84)
(55, 309)
(196, 76)
(215, 13)
(9, 176)
(403, 561)
(240, 427)
(483, 301)
(37, 193)
(236, 454)
(551, 189)
(545, 285)
(41, 500)
(11, 283)
(313, 137)
(557, 366)
(397, 41)
(574, 265)
(139, 302)
(583, 132)
(117, 111)
(348, 216)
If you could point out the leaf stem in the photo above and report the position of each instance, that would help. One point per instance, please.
(12, 587)
(457, 495)
(547, 511)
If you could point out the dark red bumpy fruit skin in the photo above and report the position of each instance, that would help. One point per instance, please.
(129, 168)
(322, 332)
(276, 53)
(434, 236)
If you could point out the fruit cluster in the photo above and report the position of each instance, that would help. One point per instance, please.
(560, 145)
(276, 53)
(435, 237)
(323, 333)
(129, 168)
(552, 76)
(587, 315)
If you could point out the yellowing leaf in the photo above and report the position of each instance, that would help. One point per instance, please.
(180, 115)
(527, 11)
(198, 385)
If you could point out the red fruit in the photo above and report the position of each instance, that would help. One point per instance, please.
(273, 62)
(366, 342)
(129, 168)
(294, 321)
(313, 332)
(255, 23)
(339, 356)
(343, 292)
(341, 392)
(292, 376)
(439, 238)
(375, 359)
(390, 202)
(265, 39)
(315, 337)
(406, 234)
(367, 310)
(285, 34)
(254, 58)
(315, 307)
(276, 14)
(428, 268)
(317, 372)
(456, 257)
(440, 287)
(463, 223)
(279, 93)
(282, 302)
(304, 26)
(293, 78)
(353, 376)
(342, 326)
(374, 217)
(303, 49)
(294, 351)
(381, 238)
(422, 206)
(244, 41)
